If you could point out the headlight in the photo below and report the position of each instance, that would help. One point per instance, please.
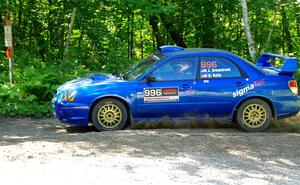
(69, 96)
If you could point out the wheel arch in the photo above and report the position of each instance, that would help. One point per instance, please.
(265, 99)
(122, 100)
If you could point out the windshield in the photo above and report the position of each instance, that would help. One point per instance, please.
(143, 66)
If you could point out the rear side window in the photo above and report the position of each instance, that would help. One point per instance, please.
(177, 69)
(217, 67)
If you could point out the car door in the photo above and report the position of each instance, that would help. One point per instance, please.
(172, 91)
(219, 82)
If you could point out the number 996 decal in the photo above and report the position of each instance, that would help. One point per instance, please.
(165, 94)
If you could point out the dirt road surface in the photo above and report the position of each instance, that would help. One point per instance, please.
(42, 152)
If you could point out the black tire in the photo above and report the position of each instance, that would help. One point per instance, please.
(254, 115)
(109, 114)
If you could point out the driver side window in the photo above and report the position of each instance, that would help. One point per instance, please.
(178, 69)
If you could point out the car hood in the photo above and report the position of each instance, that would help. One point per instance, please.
(93, 79)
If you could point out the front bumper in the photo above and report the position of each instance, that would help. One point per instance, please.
(71, 113)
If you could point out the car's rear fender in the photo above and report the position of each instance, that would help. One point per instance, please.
(264, 98)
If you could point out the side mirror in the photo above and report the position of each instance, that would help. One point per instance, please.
(150, 78)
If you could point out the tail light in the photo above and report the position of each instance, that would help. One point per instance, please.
(293, 86)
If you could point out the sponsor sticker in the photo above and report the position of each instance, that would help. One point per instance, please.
(241, 92)
(212, 70)
(258, 83)
(161, 94)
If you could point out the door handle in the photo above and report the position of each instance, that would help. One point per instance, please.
(239, 84)
(186, 86)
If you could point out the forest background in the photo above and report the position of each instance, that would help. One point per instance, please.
(59, 40)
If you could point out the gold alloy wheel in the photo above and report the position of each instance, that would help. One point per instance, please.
(254, 115)
(109, 116)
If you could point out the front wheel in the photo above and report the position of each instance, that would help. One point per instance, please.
(109, 114)
(254, 115)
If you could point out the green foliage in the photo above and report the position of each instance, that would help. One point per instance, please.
(35, 85)
(35, 81)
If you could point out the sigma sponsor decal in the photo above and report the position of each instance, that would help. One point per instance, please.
(241, 92)
(161, 94)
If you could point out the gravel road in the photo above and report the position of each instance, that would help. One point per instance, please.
(39, 152)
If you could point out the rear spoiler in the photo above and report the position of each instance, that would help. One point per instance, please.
(290, 65)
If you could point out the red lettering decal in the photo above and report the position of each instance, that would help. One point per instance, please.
(212, 64)
(170, 90)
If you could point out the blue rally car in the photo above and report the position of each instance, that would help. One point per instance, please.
(178, 83)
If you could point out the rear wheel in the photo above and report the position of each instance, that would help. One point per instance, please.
(109, 114)
(254, 115)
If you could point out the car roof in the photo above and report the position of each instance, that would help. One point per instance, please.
(201, 50)
(171, 50)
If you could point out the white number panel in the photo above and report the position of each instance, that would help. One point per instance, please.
(161, 94)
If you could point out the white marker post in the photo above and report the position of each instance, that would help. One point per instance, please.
(9, 45)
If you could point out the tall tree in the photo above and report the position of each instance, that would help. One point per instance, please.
(142, 37)
(173, 31)
(272, 28)
(153, 21)
(285, 29)
(250, 41)
(208, 24)
(70, 32)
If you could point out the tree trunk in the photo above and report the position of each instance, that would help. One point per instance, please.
(271, 31)
(153, 42)
(197, 38)
(165, 35)
(174, 33)
(1, 19)
(238, 30)
(50, 25)
(132, 35)
(208, 37)
(37, 35)
(250, 41)
(298, 28)
(31, 16)
(20, 12)
(285, 29)
(142, 37)
(128, 36)
(298, 24)
(272, 28)
(198, 31)
(154, 24)
(80, 37)
(69, 33)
